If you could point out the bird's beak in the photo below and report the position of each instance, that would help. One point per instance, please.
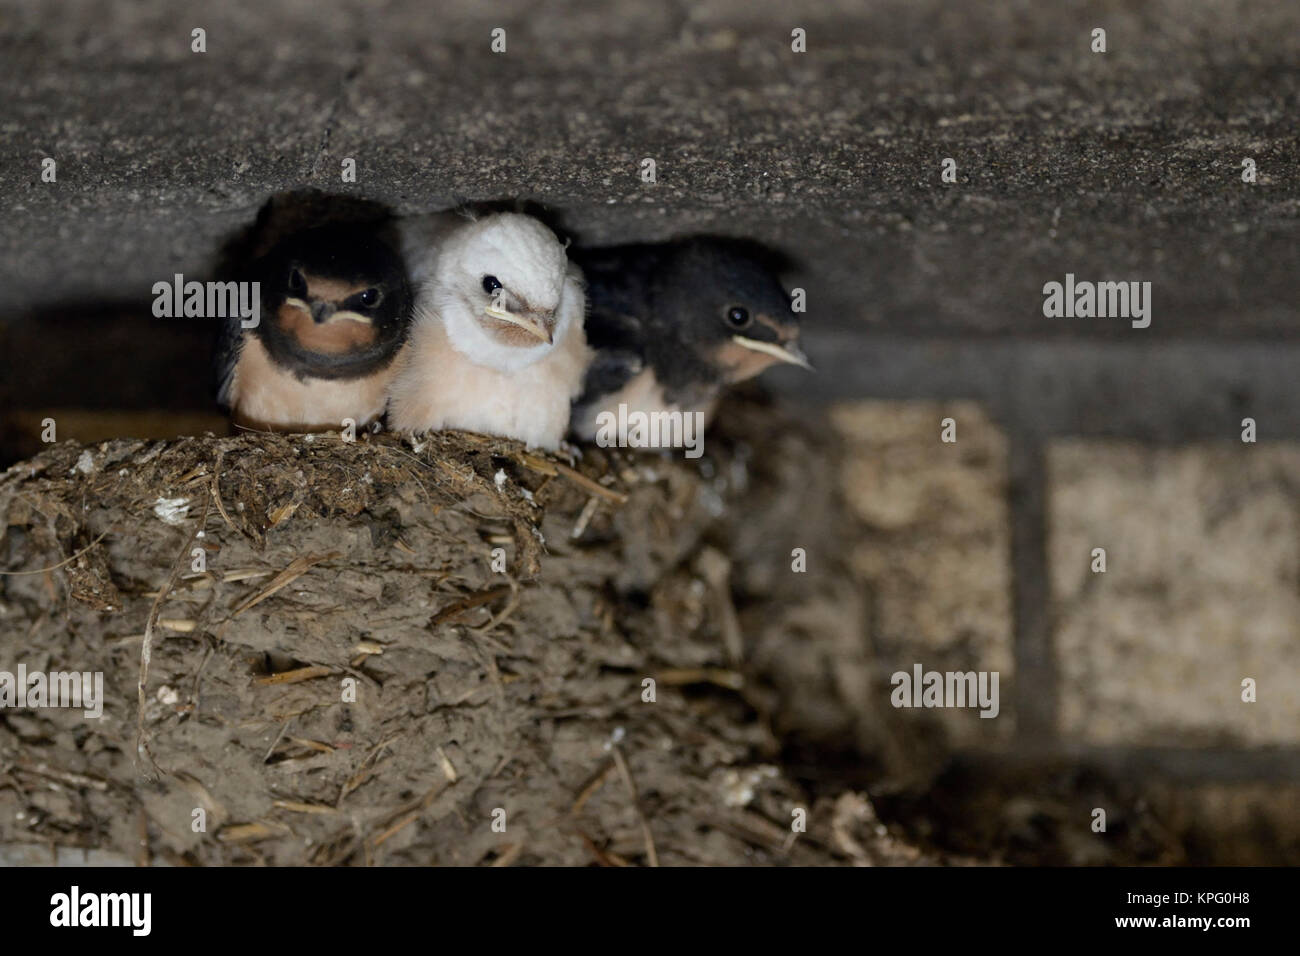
(323, 313)
(791, 353)
(524, 320)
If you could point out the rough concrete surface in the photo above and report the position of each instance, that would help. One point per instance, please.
(1123, 165)
(935, 549)
(1202, 550)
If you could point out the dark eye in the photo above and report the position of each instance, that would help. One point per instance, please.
(491, 284)
(370, 298)
(738, 316)
(297, 283)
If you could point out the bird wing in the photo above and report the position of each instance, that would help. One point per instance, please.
(608, 372)
(617, 282)
(230, 343)
(618, 340)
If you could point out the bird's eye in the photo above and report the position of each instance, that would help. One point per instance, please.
(491, 284)
(370, 298)
(738, 316)
(297, 282)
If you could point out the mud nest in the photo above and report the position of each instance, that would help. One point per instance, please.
(448, 651)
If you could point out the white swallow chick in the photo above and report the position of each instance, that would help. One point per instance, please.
(497, 342)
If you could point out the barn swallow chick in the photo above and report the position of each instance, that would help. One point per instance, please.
(336, 308)
(673, 324)
(497, 343)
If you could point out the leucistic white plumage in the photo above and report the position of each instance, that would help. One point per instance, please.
(497, 342)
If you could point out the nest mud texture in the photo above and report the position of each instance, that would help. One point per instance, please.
(349, 678)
